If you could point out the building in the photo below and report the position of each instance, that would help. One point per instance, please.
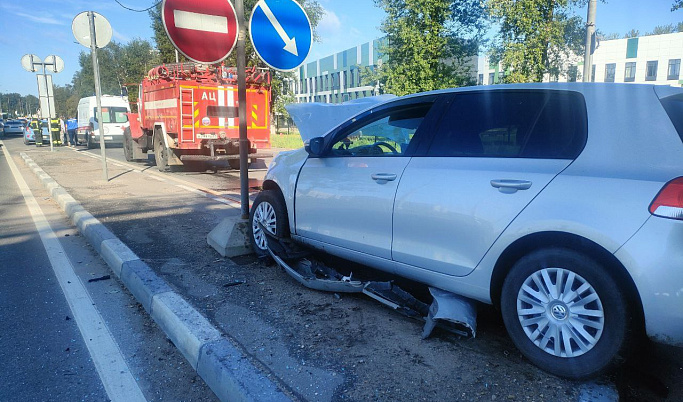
(653, 59)
(338, 78)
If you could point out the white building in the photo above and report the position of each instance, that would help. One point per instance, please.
(653, 59)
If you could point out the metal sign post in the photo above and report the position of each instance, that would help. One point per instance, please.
(98, 93)
(46, 97)
(242, 110)
(93, 30)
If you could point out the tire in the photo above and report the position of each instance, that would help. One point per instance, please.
(595, 343)
(160, 152)
(268, 208)
(88, 141)
(234, 164)
(127, 145)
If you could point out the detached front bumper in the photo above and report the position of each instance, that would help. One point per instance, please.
(654, 258)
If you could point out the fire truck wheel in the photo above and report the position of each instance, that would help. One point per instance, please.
(160, 153)
(234, 163)
(127, 145)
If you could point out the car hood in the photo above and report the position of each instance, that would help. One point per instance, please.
(317, 119)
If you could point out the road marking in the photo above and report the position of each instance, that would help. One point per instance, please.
(111, 366)
(200, 22)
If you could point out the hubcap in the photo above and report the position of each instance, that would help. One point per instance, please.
(264, 214)
(560, 312)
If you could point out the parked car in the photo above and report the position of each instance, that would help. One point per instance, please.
(14, 127)
(29, 137)
(562, 204)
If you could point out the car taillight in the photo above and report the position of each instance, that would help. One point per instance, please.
(669, 201)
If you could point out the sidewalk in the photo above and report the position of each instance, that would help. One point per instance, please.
(228, 371)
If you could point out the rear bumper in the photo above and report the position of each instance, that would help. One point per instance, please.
(654, 258)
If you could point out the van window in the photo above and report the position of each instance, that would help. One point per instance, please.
(116, 114)
(512, 124)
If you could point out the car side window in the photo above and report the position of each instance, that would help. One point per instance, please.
(512, 124)
(388, 133)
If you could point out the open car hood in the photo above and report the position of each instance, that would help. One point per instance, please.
(317, 119)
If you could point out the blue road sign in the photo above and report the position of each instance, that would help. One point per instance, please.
(281, 33)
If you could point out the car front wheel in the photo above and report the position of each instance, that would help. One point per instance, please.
(268, 209)
(564, 312)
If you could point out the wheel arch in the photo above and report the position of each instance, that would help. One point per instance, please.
(536, 241)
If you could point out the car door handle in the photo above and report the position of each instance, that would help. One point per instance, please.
(509, 186)
(383, 176)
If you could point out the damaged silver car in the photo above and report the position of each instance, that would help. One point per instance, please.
(562, 204)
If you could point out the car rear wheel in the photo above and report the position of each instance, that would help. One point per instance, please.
(268, 209)
(564, 312)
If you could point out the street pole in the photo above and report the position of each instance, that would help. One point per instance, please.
(590, 31)
(49, 115)
(98, 93)
(242, 109)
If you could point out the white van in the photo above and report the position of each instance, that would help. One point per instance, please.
(114, 109)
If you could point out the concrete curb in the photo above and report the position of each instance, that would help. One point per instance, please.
(225, 368)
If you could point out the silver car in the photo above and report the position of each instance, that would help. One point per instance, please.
(562, 204)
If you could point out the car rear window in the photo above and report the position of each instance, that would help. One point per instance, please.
(513, 124)
(674, 108)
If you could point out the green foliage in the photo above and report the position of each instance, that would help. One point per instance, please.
(428, 44)
(677, 4)
(15, 105)
(663, 29)
(287, 141)
(120, 66)
(634, 33)
(536, 37)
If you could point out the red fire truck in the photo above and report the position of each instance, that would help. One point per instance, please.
(187, 113)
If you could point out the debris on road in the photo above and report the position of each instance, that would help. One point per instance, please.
(101, 278)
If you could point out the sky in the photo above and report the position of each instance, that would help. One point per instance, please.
(43, 27)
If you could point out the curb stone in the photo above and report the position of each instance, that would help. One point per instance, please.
(225, 369)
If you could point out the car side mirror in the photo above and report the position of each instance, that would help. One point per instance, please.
(315, 146)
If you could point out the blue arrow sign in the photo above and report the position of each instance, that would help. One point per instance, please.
(281, 33)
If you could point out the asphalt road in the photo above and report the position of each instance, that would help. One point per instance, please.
(59, 344)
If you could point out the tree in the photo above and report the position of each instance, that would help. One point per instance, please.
(634, 33)
(536, 37)
(663, 29)
(120, 66)
(429, 44)
(610, 36)
(677, 4)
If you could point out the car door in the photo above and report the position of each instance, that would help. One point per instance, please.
(345, 198)
(492, 153)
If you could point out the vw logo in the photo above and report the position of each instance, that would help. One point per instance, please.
(559, 312)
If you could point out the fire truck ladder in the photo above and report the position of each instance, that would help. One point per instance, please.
(186, 115)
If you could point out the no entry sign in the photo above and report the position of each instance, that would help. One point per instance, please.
(205, 31)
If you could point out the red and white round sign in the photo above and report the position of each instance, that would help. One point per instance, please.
(205, 31)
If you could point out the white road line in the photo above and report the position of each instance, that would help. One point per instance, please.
(200, 22)
(111, 366)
